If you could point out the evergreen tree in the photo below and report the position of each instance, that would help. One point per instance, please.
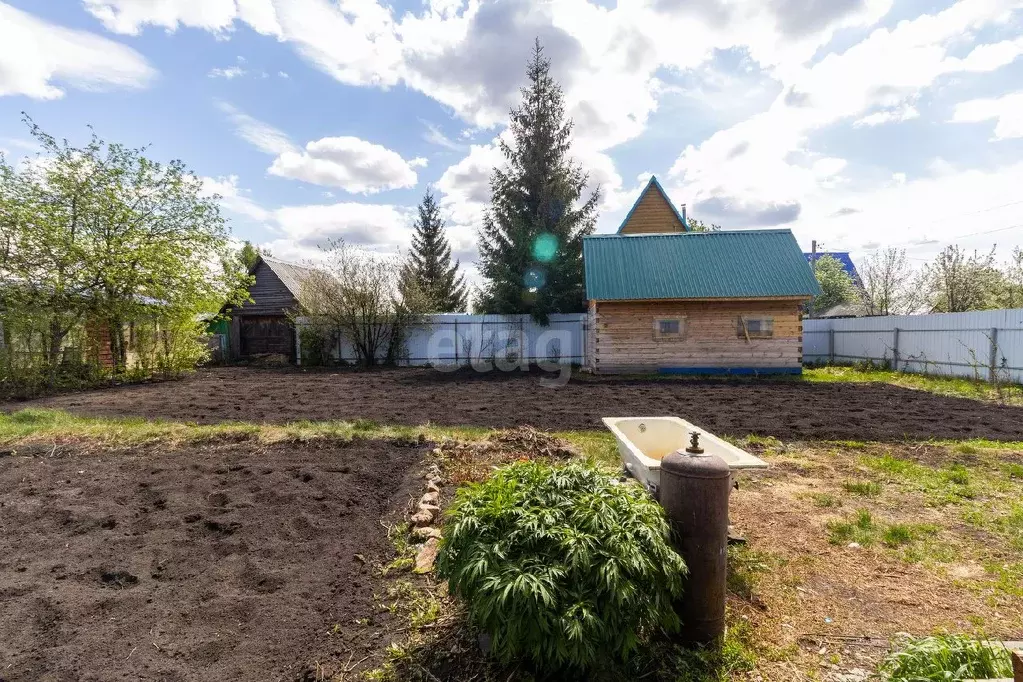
(429, 265)
(532, 235)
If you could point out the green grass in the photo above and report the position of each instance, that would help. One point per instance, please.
(37, 425)
(957, 387)
(866, 531)
(862, 488)
(825, 500)
(859, 529)
(946, 657)
(941, 485)
(746, 566)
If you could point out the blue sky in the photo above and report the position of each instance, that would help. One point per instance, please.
(859, 123)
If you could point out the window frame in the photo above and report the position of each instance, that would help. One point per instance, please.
(662, 336)
(764, 322)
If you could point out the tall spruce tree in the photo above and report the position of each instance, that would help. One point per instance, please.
(429, 265)
(531, 240)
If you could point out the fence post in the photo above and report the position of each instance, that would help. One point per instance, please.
(831, 346)
(298, 346)
(895, 350)
(993, 366)
(456, 342)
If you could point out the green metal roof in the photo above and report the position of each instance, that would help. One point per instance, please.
(725, 264)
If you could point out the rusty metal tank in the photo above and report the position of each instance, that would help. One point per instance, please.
(694, 492)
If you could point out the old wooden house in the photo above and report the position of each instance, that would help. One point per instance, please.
(663, 299)
(263, 325)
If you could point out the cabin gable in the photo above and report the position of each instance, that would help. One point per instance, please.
(653, 213)
(269, 294)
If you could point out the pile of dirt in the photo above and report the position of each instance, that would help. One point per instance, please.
(467, 462)
(221, 561)
(790, 410)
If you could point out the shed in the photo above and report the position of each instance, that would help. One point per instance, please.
(263, 325)
(727, 302)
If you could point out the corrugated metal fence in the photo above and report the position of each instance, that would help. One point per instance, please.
(984, 344)
(460, 339)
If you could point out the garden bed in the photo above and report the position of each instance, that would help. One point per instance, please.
(209, 561)
(791, 410)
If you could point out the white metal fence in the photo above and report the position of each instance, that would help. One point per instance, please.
(984, 344)
(461, 339)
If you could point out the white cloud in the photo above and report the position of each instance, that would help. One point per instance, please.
(905, 213)
(35, 55)
(229, 73)
(233, 198)
(434, 135)
(378, 227)
(465, 186)
(899, 114)
(217, 16)
(419, 162)
(262, 136)
(759, 171)
(350, 163)
(1007, 110)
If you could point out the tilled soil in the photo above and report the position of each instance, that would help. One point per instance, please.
(790, 410)
(216, 562)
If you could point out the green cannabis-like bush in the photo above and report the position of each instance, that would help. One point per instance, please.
(948, 657)
(563, 566)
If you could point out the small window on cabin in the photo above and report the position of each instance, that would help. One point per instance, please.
(668, 328)
(756, 327)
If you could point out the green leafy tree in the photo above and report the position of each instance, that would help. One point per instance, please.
(531, 239)
(889, 284)
(1012, 296)
(101, 234)
(248, 254)
(428, 266)
(958, 281)
(695, 225)
(836, 284)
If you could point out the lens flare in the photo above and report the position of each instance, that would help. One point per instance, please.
(545, 247)
(535, 279)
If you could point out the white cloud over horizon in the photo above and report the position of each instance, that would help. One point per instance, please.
(39, 59)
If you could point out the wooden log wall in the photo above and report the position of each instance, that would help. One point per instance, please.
(653, 215)
(623, 338)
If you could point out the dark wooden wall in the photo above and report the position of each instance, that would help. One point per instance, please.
(268, 293)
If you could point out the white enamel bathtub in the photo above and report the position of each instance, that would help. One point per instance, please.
(644, 441)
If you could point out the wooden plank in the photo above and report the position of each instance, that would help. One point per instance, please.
(652, 215)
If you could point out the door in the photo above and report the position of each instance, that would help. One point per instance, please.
(261, 335)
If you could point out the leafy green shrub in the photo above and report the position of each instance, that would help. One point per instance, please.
(948, 657)
(563, 566)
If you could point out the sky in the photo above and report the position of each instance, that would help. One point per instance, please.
(860, 124)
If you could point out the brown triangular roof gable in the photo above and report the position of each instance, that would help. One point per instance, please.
(653, 192)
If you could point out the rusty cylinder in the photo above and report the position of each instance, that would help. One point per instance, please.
(694, 492)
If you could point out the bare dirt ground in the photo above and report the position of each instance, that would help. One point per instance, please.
(785, 409)
(824, 608)
(210, 562)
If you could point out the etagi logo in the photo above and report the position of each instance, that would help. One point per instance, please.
(503, 351)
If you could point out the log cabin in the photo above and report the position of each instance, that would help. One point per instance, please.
(664, 299)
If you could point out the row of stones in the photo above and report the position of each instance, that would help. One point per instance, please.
(427, 512)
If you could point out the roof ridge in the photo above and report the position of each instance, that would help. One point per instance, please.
(747, 230)
(286, 262)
